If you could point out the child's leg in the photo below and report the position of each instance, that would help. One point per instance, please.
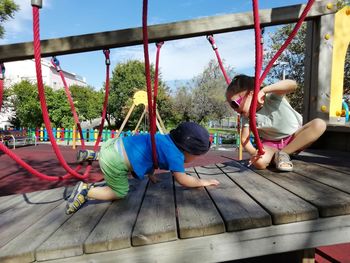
(264, 161)
(104, 193)
(306, 135)
(83, 191)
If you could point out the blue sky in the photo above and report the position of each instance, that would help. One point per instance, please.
(180, 59)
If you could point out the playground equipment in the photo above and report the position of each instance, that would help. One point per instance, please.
(203, 26)
(140, 98)
(327, 43)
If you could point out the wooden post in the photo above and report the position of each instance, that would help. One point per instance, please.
(161, 121)
(240, 148)
(125, 120)
(74, 138)
(139, 122)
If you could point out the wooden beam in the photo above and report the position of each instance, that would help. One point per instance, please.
(162, 32)
(233, 245)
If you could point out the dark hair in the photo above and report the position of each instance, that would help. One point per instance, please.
(241, 83)
(191, 137)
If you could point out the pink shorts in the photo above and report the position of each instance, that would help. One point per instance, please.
(280, 144)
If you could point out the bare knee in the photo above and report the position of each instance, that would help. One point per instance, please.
(318, 125)
(261, 164)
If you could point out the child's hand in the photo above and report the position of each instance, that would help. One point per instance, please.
(261, 96)
(209, 182)
(153, 178)
(254, 158)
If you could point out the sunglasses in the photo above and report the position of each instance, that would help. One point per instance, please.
(235, 103)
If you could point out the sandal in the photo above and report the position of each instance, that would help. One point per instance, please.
(282, 161)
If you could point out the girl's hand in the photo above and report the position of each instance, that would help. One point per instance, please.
(254, 158)
(261, 96)
(209, 182)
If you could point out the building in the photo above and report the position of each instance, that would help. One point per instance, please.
(25, 70)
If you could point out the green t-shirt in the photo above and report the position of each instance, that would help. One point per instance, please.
(276, 119)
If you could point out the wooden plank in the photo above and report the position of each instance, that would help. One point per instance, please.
(156, 220)
(196, 213)
(22, 248)
(114, 230)
(162, 32)
(321, 174)
(329, 201)
(68, 240)
(22, 200)
(18, 219)
(233, 246)
(338, 161)
(283, 206)
(237, 208)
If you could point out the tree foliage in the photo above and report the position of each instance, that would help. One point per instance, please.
(24, 99)
(88, 102)
(294, 55)
(7, 10)
(206, 99)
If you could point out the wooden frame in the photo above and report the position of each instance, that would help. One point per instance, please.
(162, 32)
(231, 246)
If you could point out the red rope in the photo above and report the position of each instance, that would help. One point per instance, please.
(215, 48)
(2, 76)
(148, 83)
(37, 56)
(56, 64)
(155, 89)
(106, 52)
(258, 66)
(288, 40)
(46, 118)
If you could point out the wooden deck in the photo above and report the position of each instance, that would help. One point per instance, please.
(251, 213)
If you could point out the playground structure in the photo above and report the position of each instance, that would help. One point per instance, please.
(296, 209)
(140, 98)
(327, 31)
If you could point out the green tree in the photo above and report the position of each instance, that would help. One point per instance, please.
(127, 78)
(87, 101)
(24, 99)
(7, 10)
(182, 104)
(294, 55)
(208, 94)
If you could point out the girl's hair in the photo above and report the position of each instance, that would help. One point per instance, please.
(241, 83)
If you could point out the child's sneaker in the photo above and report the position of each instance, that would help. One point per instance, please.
(86, 155)
(77, 198)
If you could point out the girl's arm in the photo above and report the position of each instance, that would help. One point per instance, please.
(281, 87)
(247, 145)
(192, 181)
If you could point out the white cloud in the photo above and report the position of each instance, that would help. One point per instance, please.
(186, 58)
(21, 23)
